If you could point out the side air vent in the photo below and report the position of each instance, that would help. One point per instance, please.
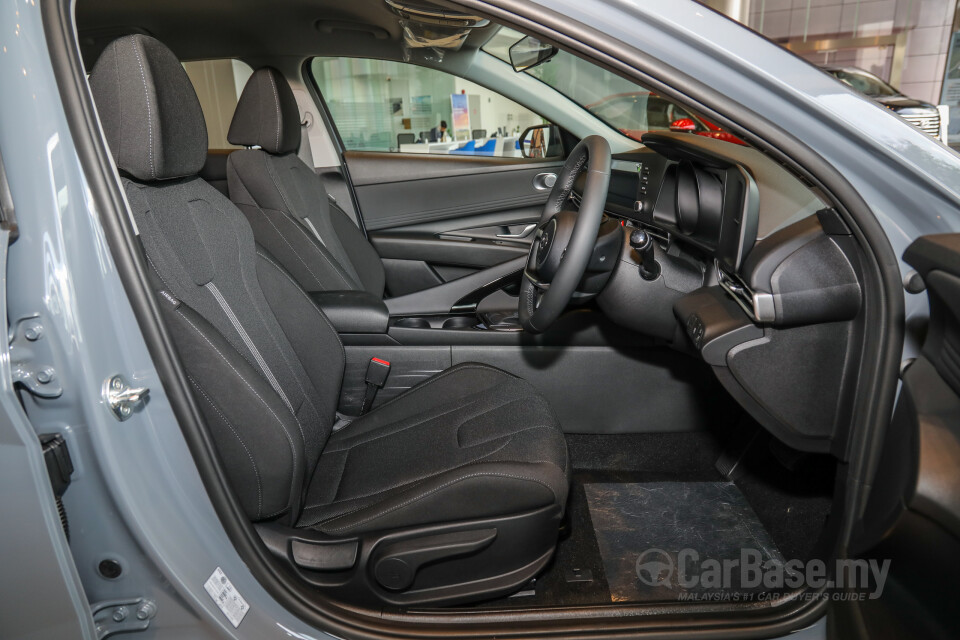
(759, 306)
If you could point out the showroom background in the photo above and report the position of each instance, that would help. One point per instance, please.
(905, 42)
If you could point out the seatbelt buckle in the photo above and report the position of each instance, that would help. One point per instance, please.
(377, 372)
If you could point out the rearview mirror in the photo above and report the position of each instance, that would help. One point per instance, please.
(541, 141)
(683, 124)
(529, 52)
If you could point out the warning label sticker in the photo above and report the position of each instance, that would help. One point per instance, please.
(227, 597)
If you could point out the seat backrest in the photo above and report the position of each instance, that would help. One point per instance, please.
(265, 364)
(406, 138)
(285, 200)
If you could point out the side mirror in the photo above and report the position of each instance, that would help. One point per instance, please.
(683, 124)
(529, 52)
(541, 141)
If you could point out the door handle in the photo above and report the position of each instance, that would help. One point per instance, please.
(544, 181)
(527, 230)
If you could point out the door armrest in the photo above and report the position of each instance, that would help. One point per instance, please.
(460, 295)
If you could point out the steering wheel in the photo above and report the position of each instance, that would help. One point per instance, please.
(564, 241)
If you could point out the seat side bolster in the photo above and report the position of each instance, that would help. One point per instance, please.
(257, 437)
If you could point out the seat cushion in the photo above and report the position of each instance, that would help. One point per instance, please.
(471, 442)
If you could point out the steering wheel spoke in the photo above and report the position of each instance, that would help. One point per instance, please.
(534, 279)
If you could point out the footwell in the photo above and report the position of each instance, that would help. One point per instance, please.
(669, 541)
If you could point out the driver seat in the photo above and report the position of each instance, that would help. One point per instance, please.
(452, 491)
(285, 200)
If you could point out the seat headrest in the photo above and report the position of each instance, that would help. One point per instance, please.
(267, 115)
(149, 110)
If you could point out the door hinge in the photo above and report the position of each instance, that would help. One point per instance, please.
(122, 616)
(121, 398)
(29, 359)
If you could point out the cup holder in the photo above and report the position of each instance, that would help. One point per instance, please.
(459, 322)
(413, 323)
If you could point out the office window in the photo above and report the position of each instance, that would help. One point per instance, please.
(380, 105)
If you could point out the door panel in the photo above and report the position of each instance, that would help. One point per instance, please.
(913, 513)
(403, 189)
(437, 218)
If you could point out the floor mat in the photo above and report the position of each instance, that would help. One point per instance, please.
(669, 541)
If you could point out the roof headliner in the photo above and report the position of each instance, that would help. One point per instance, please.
(251, 29)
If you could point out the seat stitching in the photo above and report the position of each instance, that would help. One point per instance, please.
(256, 471)
(259, 112)
(146, 95)
(274, 514)
(254, 351)
(276, 99)
(280, 392)
(293, 448)
(431, 492)
(511, 434)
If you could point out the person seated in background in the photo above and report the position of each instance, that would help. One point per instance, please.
(439, 134)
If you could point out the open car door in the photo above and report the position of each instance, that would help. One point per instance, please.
(913, 513)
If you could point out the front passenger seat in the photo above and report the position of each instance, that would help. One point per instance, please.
(284, 199)
(451, 491)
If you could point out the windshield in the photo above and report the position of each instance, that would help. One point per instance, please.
(864, 82)
(623, 105)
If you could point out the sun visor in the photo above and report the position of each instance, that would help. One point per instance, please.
(429, 31)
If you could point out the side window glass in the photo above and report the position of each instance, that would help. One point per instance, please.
(381, 105)
(218, 84)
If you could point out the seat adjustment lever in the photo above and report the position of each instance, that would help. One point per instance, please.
(397, 565)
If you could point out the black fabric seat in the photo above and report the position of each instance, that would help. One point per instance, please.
(487, 433)
(470, 464)
(284, 199)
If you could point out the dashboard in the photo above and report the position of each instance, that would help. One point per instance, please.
(757, 276)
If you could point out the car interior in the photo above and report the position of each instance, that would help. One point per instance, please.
(470, 383)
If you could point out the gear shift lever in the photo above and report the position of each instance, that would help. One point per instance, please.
(642, 243)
